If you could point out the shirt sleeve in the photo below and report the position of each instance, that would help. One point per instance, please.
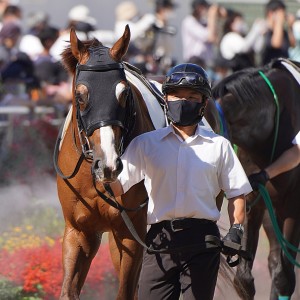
(232, 177)
(133, 165)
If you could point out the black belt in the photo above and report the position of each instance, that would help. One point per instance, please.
(182, 223)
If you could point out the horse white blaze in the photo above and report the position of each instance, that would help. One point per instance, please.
(107, 139)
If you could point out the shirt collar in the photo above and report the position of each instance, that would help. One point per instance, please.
(199, 132)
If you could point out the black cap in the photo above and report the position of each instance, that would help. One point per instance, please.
(165, 3)
(196, 3)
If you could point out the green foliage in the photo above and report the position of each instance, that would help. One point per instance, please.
(45, 221)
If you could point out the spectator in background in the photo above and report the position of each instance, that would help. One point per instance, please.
(239, 45)
(3, 5)
(54, 80)
(277, 39)
(294, 52)
(163, 33)
(12, 13)
(199, 31)
(151, 35)
(78, 18)
(127, 13)
(16, 68)
(30, 43)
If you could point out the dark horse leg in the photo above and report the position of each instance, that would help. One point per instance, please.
(284, 278)
(244, 281)
(274, 253)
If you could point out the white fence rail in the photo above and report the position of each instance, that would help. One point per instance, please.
(9, 113)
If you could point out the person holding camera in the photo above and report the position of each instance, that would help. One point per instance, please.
(279, 36)
(199, 31)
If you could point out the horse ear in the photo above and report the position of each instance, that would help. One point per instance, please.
(120, 48)
(77, 46)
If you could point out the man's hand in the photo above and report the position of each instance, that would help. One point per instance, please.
(258, 178)
(234, 235)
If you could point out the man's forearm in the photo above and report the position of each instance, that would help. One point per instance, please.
(287, 161)
(237, 209)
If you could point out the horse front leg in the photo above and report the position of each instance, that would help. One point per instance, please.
(127, 256)
(79, 249)
(284, 278)
(274, 253)
(244, 281)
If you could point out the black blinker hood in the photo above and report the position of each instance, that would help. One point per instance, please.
(100, 75)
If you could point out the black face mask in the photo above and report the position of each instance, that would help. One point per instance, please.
(185, 112)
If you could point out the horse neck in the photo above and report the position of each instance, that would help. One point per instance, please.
(74, 130)
(143, 121)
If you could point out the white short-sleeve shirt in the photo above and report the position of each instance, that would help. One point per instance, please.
(183, 178)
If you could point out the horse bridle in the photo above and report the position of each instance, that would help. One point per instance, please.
(126, 125)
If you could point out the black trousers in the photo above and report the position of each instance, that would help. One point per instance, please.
(191, 270)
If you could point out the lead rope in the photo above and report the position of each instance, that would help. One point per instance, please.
(268, 82)
(55, 158)
(113, 202)
(285, 245)
(265, 195)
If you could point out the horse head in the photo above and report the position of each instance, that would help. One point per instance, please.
(101, 100)
(247, 106)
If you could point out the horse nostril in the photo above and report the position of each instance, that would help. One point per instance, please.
(97, 165)
(119, 165)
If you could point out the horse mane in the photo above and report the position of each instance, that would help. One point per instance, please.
(69, 62)
(246, 85)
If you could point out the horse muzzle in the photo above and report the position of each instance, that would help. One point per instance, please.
(106, 174)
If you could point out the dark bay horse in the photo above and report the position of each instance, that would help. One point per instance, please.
(108, 111)
(261, 108)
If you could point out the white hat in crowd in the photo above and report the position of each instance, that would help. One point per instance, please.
(125, 11)
(81, 13)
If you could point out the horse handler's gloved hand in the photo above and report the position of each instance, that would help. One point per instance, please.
(234, 235)
(258, 178)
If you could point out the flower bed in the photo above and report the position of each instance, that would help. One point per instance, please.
(31, 268)
(32, 222)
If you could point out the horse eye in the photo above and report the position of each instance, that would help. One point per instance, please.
(81, 98)
(82, 95)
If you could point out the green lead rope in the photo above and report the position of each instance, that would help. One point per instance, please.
(268, 82)
(277, 111)
(285, 245)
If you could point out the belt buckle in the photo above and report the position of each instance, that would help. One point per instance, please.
(172, 225)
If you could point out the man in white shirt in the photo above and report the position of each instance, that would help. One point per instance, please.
(184, 168)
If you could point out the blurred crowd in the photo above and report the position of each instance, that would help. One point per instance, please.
(217, 38)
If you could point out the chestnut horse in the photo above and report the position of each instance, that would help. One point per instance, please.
(261, 109)
(107, 112)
